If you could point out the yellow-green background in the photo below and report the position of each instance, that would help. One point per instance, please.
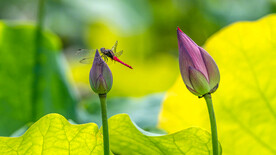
(153, 93)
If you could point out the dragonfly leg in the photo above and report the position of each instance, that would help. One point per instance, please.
(105, 58)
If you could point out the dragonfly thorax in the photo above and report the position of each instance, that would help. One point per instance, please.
(107, 52)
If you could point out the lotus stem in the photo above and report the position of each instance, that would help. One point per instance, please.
(104, 123)
(215, 144)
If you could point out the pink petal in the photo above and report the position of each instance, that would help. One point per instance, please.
(189, 55)
(212, 68)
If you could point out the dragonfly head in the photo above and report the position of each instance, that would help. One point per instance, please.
(103, 50)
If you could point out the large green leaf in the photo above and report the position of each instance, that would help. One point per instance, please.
(53, 134)
(126, 138)
(17, 53)
(245, 102)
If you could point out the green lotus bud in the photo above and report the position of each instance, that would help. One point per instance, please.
(100, 76)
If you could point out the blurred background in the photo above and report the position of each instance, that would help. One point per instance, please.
(145, 30)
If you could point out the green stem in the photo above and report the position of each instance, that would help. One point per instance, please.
(208, 100)
(104, 123)
(37, 55)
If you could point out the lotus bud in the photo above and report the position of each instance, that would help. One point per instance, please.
(100, 76)
(198, 69)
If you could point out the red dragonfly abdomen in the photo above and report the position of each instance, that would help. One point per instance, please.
(118, 60)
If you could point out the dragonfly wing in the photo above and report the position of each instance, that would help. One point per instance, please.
(87, 60)
(114, 47)
(85, 56)
(117, 54)
(85, 53)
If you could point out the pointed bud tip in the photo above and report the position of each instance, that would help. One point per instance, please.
(178, 29)
(97, 54)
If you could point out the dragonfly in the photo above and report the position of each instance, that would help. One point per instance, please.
(105, 53)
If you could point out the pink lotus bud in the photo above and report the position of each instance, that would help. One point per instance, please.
(100, 76)
(198, 69)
